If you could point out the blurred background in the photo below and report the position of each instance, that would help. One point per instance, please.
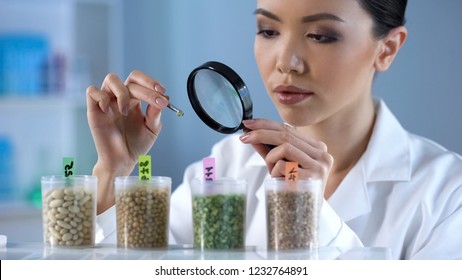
(51, 50)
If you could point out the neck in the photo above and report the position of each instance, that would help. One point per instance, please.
(346, 136)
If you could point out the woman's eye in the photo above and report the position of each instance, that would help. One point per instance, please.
(267, 33)
(321, 38)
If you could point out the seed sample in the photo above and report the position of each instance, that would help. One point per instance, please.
(69, 217)
(291, 219)
(143, 217)
(219, 221)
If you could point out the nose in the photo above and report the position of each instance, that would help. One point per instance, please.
(290, 61)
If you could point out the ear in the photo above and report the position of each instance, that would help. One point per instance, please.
(389, 47)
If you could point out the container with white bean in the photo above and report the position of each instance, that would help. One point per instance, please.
(69, 211)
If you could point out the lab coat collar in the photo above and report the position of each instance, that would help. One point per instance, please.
(388, 155)
(387, 158)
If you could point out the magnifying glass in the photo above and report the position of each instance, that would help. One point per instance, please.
(219, 97)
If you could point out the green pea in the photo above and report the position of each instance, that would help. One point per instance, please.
(219, 221)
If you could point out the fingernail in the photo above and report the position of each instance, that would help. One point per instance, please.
(159, 88)
(244, 137)
(162, 102)
(247, 122)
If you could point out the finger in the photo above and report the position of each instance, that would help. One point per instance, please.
(285, 139)
(264, 124)
(112, 84)
(147, 95)
(140, 78)
(304, 156)
(278, 169)
(97, 99)
(315, 171)
(261, 149)
(153, 120)
(257, 123)
(318, 164)
(318, 167)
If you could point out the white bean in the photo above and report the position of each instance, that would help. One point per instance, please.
(74, 209)
(67, 236)
(68, 216)
(56, 203)
(64, 224)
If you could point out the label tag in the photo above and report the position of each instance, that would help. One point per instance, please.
(291, 171)
(209, 168)
(144, 167)
(68, 167)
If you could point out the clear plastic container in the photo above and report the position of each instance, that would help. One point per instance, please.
(292, 212)
(219, 213)
(69, 211)
(143, 211)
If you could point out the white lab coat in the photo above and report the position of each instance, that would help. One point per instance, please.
(405, 193)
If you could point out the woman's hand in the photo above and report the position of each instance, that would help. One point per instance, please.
(280, 143)
(120, 129)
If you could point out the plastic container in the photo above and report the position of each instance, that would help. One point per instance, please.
(69, 210)
(292, 212)
(143, 211)
(219, 213)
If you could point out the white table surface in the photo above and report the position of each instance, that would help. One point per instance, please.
(32, 251)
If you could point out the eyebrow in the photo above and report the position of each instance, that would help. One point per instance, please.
(305, 19)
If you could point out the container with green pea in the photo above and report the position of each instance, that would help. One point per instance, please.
(219, 213)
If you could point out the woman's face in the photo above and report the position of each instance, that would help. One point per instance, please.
(316, 57)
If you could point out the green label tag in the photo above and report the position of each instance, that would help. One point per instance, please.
(144, 167)
(68, 167)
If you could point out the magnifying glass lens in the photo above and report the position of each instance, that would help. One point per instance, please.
(218, 98)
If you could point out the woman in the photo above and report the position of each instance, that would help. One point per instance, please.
(384, 187)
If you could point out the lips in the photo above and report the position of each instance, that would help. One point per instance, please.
(290, 95)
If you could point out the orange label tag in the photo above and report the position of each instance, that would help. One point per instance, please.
(291, 171)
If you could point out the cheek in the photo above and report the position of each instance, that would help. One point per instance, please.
(347, 67)
(263, 60)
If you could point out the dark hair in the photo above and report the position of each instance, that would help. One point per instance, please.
(387, 14)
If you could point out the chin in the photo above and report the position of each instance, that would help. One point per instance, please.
(298, 119)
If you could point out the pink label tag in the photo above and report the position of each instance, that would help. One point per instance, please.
(209, 168)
